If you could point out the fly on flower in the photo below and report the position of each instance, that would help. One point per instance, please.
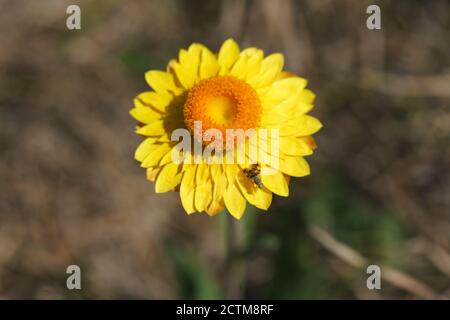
(238, 107)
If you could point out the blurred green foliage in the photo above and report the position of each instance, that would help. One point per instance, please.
(193, 278)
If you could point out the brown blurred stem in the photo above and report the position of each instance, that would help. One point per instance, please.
(352, 257)
(234, 259)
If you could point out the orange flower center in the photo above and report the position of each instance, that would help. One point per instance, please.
(222, 102)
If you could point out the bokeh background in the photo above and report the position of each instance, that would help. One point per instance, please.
(71, 193)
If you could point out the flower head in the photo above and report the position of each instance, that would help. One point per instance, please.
(243, 123)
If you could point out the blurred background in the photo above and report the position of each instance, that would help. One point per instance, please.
(71, 192)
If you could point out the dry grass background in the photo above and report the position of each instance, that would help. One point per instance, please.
(71, 193)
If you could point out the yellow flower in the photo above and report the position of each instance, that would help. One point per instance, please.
(232, 90)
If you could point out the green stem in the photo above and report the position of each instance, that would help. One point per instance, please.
(235, 264)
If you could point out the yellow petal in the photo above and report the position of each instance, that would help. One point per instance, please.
(215, 208)
(187, 189)
(153, 158)
(203, 195)
(288, 128)
(294, 146)
(145, 148)
(168, 157)
(310, 142)
(286, 74)
(273, 60)
(307, 126)
(192, 60)
(203, 188)
(164, 138)
(246, 186)
(152, 173)
(293, 84)
(294, 166)
(183, 57)
(185, 78)
(145, 115)
(218, 174)
(271, 67)
(303, 108)
(239, 69)
(215, 170)
(307, 96)
(187, 68)
(202, 174)
(156, 128)
(168, 178)
(255, 59)
(209, 66)
(274, 117)
(228, 54)
(231, 171)
(259, 197)
(289, 88)
(266, 78)
(278, 183)
(153, 99)
(300, 126)
(262, 198)
(220, 184)
(161, 81)
(234, 201)
(250, 51)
